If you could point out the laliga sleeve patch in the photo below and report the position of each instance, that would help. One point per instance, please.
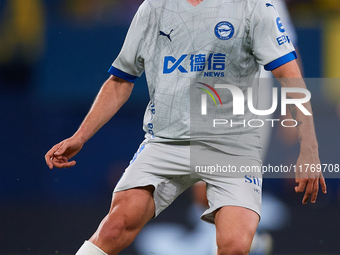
(224, 30)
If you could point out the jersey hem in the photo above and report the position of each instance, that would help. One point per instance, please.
(281, 61)
(120, 74)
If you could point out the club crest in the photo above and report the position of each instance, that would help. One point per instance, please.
(224, 30)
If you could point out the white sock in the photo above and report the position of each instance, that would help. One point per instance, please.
(89, 248)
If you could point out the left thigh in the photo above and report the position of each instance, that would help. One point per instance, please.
(235, 227)
(237, 189)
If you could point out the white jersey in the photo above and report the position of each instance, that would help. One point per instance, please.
(281, 8)
(181, 47)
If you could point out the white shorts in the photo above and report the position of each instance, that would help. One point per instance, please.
(167, 167)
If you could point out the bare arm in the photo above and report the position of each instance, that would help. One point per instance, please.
(111, 97)
(113, 94)
(289, 76)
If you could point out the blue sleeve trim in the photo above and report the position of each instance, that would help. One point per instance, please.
(281, 61)
(125, 76)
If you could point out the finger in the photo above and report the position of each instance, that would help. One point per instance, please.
(48, 161)
(323, 185)
(64, 164)
(302, 184)
(59, 159)
(315, 191)
(49, 155)
(60, 151)
(309, 190)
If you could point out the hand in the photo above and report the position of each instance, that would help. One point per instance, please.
(61, 153)
(308, 178)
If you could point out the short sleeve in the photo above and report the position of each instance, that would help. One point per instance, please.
(271, 45)
(129, 64)
(281, 8)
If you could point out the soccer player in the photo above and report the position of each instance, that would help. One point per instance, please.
(182, 45)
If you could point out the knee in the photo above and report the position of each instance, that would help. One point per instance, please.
(112, 229)
(233, 247)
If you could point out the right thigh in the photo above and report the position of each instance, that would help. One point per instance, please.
(135, 205)
(165, 166)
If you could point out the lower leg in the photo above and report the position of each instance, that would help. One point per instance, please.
(89, 248)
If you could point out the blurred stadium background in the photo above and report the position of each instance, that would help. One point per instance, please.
(54, 55)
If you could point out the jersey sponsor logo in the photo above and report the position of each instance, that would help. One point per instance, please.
(176, 64)
(280, 25)
(255, 181)
(257, 190)
(270, 5)
(224, 30)
(283, 39)
(166, 35)
(212, 64)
